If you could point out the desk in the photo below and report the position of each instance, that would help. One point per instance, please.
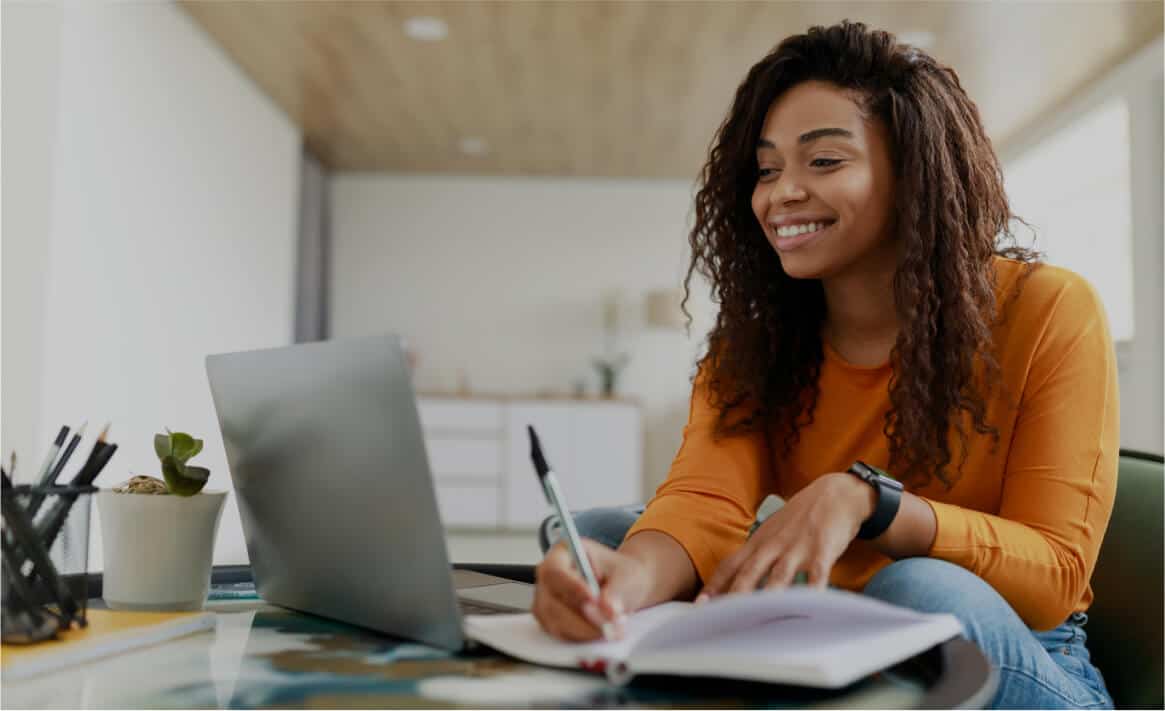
(263, 656)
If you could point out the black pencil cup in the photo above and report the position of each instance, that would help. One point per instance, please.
(46, 560)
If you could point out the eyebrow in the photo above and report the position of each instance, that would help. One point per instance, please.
(810, 136)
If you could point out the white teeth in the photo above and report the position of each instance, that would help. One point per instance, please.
(794, 230)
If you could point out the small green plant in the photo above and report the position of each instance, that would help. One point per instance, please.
(174, 449)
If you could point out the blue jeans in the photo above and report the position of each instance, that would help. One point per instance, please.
(1036, 669)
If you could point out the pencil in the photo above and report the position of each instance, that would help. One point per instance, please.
(53, 521)
(55, 449)
(91, 469)
(36, 499)
(68, 453)
(98, 446)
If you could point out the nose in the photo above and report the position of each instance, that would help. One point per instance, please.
(787, 190)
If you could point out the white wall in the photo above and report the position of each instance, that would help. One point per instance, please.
(502, 278)
(166, 229)
(31, 71)
(1142, 378)
(1138, 81)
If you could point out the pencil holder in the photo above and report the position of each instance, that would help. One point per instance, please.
(46, 560)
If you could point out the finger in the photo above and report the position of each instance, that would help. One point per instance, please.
(601, 558)
(605, 562)
(590, 612)
(751, 571)
(597, 555)
(818, 573)
(561, 579)
(782, 571)
(610, 612)
(558, 573)
(611, 605)
(725, 573)
(564, 622)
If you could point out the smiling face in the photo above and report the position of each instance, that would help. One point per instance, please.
(825, 190)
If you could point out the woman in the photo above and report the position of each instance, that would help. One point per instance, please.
(849, 222)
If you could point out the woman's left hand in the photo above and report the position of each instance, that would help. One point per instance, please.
(809, 533)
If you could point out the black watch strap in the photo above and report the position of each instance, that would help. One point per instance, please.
(889, 498)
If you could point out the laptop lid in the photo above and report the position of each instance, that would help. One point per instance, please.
(333, 485)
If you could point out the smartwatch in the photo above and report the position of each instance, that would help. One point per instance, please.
(889, 497)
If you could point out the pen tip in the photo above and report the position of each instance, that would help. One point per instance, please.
(104, 432)
(83, 426)
(540, 465)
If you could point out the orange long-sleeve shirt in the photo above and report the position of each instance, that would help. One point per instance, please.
(1027, 517)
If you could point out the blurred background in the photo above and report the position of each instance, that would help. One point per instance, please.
(507, 185)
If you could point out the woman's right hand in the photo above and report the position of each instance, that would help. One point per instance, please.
(565, 606)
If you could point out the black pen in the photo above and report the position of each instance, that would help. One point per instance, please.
(65, 457)
(98, 447)
(46, 467)
(44, 478)
(554, 496)
(54, 520)
(33, 549)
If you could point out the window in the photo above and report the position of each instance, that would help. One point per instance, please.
(1074, 189)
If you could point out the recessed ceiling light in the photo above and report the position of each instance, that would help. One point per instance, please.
(923, 39)
(426, 29)
(474, 146)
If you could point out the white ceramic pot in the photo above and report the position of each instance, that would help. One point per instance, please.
(158, 549)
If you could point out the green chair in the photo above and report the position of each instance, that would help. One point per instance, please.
(1125, 621)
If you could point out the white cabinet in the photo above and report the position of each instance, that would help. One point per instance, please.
(463, 439)
(465, 458)
(479, 453)
(467, 505)
(448, 416)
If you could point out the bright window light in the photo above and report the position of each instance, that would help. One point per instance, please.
(1074, 189)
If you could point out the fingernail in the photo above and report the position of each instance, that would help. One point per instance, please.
(701, 598)
(591, 611)
(608, 631)
(617, 606)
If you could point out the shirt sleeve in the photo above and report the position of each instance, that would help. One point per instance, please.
(713, 489)
(1060, 477)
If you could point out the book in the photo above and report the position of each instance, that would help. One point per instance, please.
(801, 636)
(109, 632)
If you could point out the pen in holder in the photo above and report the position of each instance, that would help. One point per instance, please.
(45, 560)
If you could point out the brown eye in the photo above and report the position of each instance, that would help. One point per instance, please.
(824, 162)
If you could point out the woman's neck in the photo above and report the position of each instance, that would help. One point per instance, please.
(861, 321)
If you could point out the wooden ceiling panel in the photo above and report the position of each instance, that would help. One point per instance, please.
(631, 89)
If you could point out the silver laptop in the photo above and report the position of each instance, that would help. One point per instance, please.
(333, 486)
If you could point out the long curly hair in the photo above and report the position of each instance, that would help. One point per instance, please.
(952, 215)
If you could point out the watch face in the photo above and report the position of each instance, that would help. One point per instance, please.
(864, 471)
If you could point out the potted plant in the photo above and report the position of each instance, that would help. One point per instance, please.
(158, 534)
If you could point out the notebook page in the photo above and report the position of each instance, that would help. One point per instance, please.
(726, 616)
(521, 636)
(801, 649)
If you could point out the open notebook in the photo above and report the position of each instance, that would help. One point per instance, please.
(802, 636)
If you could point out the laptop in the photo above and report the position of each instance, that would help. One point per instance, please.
(333, 485)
